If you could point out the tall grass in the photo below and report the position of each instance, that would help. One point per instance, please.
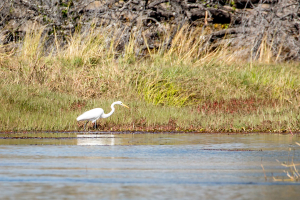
(189, 86)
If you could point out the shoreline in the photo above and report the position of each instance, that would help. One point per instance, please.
(99, 132)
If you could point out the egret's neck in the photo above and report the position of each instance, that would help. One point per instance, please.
(111, 112)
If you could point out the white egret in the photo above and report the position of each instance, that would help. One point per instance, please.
(96, 113)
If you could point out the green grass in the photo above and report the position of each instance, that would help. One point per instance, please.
(180, 89)
(28, 108)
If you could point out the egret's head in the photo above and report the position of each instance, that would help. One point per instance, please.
(122, 104)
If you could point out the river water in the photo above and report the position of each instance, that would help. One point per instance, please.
(148, 166)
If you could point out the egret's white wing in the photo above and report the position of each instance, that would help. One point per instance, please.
(91, 114)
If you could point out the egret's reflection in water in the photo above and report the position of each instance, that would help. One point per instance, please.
(93, 139)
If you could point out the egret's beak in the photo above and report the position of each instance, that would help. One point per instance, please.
(125, 105)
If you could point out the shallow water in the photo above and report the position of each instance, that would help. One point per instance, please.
(146, 166)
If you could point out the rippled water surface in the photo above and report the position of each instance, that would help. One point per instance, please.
(147, 166)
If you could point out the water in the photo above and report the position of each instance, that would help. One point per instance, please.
(147, 166)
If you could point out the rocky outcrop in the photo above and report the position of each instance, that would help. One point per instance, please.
(245, 24)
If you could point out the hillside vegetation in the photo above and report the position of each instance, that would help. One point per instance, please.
(186, 85)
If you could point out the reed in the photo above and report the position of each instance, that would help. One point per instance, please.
(187, 87)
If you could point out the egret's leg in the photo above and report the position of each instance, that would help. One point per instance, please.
(85, 125)
(95, 124)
